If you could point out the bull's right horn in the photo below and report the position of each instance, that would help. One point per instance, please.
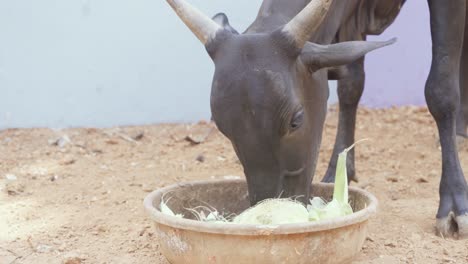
(302, 27)
(201, 25)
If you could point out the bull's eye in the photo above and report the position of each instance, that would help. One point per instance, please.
(297, 120)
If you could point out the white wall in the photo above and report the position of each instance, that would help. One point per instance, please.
(104, 62)
(121, 62)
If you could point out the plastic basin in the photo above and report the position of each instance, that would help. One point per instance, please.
(189, 241)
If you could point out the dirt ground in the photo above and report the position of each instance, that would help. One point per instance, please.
(75, 195)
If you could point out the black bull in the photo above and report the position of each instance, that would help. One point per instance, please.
(270, 89)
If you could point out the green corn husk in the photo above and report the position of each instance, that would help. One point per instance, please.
(274, 212)
(287, 211)
(339, 206)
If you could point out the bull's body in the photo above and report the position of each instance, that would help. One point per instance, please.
(346, 20)
(270, 88)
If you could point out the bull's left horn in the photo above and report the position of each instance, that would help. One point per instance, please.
(305, 24)
(201, 25)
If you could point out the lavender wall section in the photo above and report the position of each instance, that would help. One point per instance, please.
(396, 75)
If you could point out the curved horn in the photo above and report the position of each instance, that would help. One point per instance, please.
(202, 26)
(306, 23)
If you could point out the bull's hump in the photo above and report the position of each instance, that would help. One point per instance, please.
(274, 14)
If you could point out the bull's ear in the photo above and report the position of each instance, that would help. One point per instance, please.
(222, 20)
(317, 56)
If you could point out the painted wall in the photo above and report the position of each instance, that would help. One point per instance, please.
(118, 62)
(397, 74)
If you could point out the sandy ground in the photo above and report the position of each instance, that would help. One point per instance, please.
(79, 199)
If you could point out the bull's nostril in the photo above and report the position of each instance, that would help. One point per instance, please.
(298, 172)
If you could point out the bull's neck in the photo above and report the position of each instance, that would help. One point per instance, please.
(274, 14)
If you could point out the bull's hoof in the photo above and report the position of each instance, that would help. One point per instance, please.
(452, 227)
(462, 222)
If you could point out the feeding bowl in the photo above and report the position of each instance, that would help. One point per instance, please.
(189, 241)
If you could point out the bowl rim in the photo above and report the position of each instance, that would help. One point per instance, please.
(255, 230)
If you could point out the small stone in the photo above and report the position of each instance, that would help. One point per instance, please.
(11, 177)
(14, 188)
(390, 244)
(102, 229)
(422, 180)
(139, 136)
(43, 248)
(392, 179)
(68, 162)
(74, 260)
(97, 151)
(60, 142)
(200, 158)
(143, 231)
(54, 178)
(111, 142)
(231, 177)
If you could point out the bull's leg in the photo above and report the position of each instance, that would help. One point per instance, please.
(443, 97)
(461, 123)
(462, 116)
(349, 93)
(462, 112)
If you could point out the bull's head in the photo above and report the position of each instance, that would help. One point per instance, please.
(269, 94)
